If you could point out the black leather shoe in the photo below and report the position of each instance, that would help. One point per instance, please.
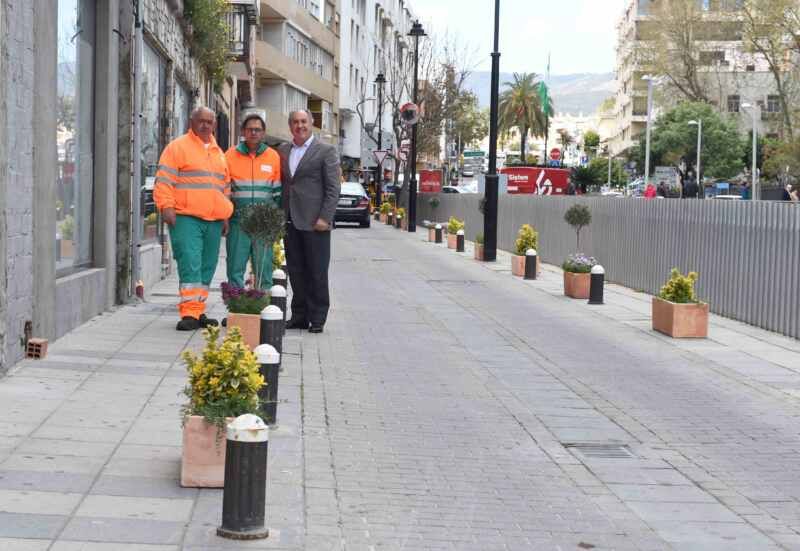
(188, 323)
(315, 328)
(207, 322)
(224, 322)
(296, 324)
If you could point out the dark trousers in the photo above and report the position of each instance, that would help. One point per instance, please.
(308, 254)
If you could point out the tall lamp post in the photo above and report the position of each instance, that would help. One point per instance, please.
(650, 80)
(699, 124)
(490, 197)
(380, 80)
(755, 186)
(416, 31)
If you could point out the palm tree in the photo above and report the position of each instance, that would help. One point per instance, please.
(520, 107)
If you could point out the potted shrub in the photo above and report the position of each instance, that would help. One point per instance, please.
(479, 246)
(385, 209)
(151, 226)
(578, 216)
(67, 230)
(401, 212)
(223, 384)
(264, 224)
(676, 310)
(453, 225)
(434, 202)
(527, 238)
(244, 311)
(578, 275)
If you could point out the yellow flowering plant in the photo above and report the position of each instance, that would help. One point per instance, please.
(223, 380)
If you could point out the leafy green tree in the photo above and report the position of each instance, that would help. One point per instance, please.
(521, 107)
(674, 141)
(210, 35)
(471, 122)
(583, 178)
(591, 141)
(781, 159)
(599, 168)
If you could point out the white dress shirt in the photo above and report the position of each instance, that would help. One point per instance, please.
(296, 154)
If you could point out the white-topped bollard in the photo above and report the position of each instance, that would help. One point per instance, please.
(244, 496)
(596, 284)
(279, 277)
(277, 296)
(272, 327)
(460, 241)
(269, 361)
(530, 264)
(438, 230)
(399, 222)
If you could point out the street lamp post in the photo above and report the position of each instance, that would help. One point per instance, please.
(699, 124)
(416, 31)
(754, 187)
(380, 80)
(650, 79)
(490, 197)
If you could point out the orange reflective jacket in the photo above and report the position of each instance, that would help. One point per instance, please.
(255, 177)
(193, 179)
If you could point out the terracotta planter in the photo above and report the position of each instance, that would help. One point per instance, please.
(432, 235)
(67, 248)
(478, 252)
(150, 232)
(452, 240)
(203, 459)
(680, 320)
(383, 218)
(577, 285)
(249, 325)
(404, 224)
(518, 265)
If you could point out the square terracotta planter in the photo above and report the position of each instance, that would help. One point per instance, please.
(518, 265)
(432, 235)
(452, 241)
(680, 320)
(67, 248)
(478, 251)
(250, 327)
(383, 218)
(577, 285)
(203, 459)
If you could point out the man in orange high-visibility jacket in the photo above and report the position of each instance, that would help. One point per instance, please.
(191, 191)
(255, 178)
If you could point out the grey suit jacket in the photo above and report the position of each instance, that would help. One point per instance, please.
(313, 191)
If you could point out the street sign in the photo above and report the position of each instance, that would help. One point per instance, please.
(409, 114)
(555, 154)
(405, 145)
(380, 155)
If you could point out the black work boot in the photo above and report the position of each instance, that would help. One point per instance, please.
(207, 322)
(188, 323)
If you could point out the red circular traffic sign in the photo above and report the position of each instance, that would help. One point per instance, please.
(555, 154)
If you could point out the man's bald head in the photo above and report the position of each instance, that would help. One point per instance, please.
(203, 122)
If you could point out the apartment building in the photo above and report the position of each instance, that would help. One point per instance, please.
(728, 74)
(373, 40)
(296, 50)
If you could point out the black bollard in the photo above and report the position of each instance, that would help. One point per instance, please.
(377, 215)
(272, 326)
(399, 221)
(279, 278)
(244, 496)
(438, 233)
(530, 264)
(390, 219)
(596, 284)
(269, 361)
(460, 241)
(277, 296)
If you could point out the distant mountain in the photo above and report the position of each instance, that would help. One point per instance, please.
(573, 94)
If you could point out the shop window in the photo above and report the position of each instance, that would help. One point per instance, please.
(74, 134)
(182, 102)
(154, 76)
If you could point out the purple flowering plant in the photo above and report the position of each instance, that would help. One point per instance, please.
(578, 263)
(243, 301)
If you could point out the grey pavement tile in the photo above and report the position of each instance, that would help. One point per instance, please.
(97, 546)
(19, 461)
(80, 434)
(28, 525)
(115, 530)
(130, 507)
(33, 502)
(21, 544)
(141, 487)
(46, 481)
(66, 447)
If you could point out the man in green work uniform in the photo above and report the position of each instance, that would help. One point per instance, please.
(255, 171)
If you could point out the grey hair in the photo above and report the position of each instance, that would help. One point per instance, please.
(306, 111)
(199, 109)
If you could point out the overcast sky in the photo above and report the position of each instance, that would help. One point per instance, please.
(579, 33)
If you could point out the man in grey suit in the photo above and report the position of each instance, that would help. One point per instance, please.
(310, 174)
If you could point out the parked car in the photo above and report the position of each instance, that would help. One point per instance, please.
(353, 204)
(452, 189)
(468, 173)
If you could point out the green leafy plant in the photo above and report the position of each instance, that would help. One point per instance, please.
(386, 208)
(264, 223)
(578, 216)
(210, 35)
(679, 288)
(223, 380)
(243, 301)
(401, 212)
(434, 202)
(277, 255)
(454, 224)
(151, 218)
(527, 238)
(67, 227)
(479, 238)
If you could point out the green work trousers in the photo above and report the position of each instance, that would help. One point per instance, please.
(195, 244)
(240, 249)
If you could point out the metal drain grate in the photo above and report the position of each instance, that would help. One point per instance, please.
(601, 451)
(379, 259)
(454, 282)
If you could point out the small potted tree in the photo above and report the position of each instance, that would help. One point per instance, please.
(453, 225)
(676, 310)
(223, 384)
(384, 210)
(527, 238)
(479, 246)
(578, 216)
(401, 213)
(578, 275)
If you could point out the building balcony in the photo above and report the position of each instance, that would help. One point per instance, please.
(273, 64)
(290, 10)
